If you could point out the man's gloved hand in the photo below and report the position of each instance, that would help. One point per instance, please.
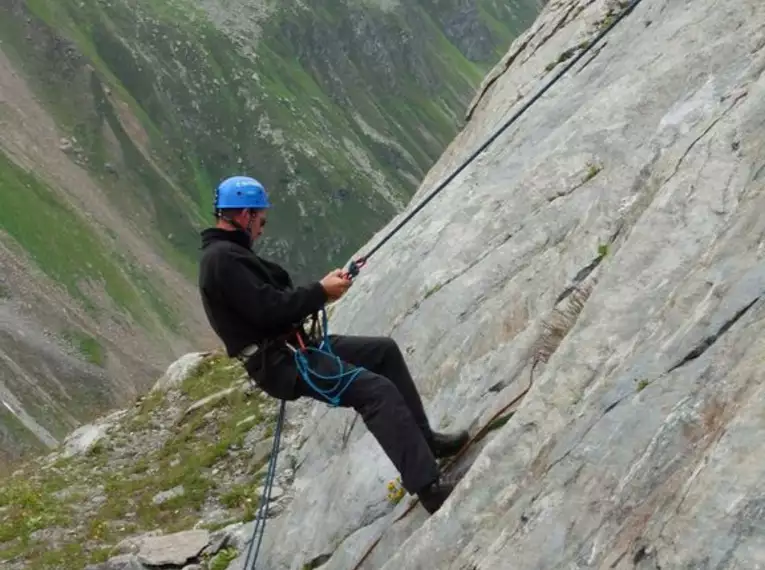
(336, 284)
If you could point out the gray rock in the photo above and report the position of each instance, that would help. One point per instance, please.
(637, 443)
(97, 500)
(238, 534)
(179, 371)
(215, 516)
(218, 540)
(84, 438)
(260, 453)
(213, 398)
(51, 536)
(173, 549)
(247, 420)
(122, 562)
(276, 492)
(132, 545)
(165, 496)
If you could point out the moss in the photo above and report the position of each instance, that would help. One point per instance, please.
(592, 171)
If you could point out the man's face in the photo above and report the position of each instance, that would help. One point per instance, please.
(255, 221)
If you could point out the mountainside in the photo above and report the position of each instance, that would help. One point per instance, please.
(119, 117)
(594, 298)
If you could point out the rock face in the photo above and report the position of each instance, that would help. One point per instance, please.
(173, 550)
(605, 253)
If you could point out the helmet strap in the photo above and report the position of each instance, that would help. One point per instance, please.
(237, 225)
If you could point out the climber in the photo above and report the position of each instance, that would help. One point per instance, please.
(256, 311)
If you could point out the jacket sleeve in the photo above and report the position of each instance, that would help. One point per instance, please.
(263, 303)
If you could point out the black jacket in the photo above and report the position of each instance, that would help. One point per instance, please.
(249, 300)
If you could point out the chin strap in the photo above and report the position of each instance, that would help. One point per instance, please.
(237, 225)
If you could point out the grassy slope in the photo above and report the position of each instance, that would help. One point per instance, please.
(130, 466)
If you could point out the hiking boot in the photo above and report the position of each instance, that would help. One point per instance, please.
(434, 494)
(446, 445)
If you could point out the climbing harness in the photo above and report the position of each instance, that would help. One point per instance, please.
(353, 270)
(343, 379)
(356, 265)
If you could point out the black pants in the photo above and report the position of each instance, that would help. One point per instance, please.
(386, 397)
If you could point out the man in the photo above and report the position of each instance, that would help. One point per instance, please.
(256, 311)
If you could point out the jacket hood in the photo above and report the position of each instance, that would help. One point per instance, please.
(212, 235)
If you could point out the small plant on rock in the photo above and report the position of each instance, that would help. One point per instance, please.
(395, 491)
(223, 559)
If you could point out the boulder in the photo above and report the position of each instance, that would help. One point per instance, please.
(173, 549)
(179, 371)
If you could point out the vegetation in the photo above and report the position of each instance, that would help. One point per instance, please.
(87, 503)
(32, 214)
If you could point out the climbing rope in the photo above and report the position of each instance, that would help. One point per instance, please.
(357, 264)
(260, 518)
(343, 379)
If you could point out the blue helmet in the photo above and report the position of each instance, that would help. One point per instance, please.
(241, 192)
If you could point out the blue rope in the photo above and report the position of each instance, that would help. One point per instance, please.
(343, 379)
(260, 519)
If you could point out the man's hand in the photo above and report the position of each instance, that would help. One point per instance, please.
(336, 284)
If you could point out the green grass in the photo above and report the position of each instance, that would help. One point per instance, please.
(31, 507)
(71, 252)
(222, 560)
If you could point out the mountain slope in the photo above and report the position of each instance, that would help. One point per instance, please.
(597, 289)
(119, 117)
